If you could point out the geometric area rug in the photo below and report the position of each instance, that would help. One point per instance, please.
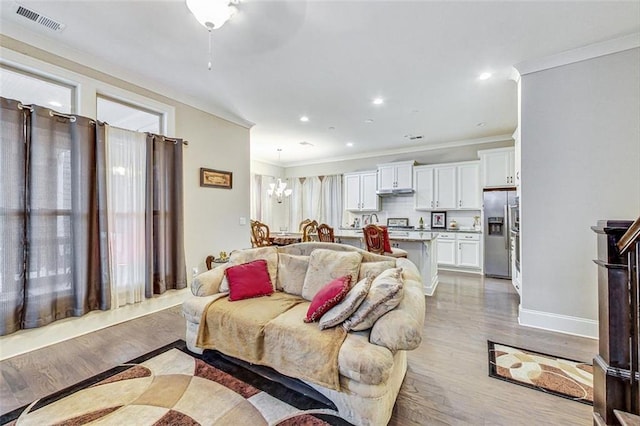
(557, 376)
(172, 386)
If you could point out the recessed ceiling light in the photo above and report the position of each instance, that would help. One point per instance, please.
(332, 128)
(349, 144)
(368, 120)
(55, 104)
(484, 76)
(304, 118)
(378, 101)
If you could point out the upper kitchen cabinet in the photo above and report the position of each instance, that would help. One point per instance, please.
(360, 191)
(395, 177)
(497, 167)
(469, 193)
(453, 186)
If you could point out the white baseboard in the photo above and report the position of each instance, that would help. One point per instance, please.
(560, 323)
(24, 341)
(431, 288)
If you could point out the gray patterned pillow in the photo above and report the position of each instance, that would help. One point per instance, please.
(348, 306)
(327, 265)
(385, 294)
(292, 270)
(375, 268)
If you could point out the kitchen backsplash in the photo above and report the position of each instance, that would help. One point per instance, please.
(403, 206)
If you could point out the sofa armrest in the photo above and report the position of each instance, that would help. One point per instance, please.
(208, 283)
(193, 306)
(401, 328)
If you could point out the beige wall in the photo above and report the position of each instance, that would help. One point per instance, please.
(580, 163)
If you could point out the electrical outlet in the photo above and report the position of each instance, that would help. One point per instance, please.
(195, 271)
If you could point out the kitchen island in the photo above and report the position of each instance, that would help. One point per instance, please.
(420, 245)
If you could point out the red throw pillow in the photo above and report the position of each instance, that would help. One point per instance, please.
(328, 297)
(385, 239)
(249, 280)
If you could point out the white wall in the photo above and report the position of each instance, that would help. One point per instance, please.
(580, 163)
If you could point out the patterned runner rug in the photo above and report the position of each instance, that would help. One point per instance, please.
(171, 386)
(557, 376)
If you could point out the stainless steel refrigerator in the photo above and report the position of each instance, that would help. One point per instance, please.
(497, 252)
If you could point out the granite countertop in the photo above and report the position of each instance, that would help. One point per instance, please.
(419, 235)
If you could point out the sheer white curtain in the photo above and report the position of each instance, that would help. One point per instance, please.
(256, 196)
(331, 201)
(311, 197)
(295, 203)
(126, 202)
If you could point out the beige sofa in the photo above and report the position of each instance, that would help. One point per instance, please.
(371, 363)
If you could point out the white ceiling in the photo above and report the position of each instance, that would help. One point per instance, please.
(278, 60)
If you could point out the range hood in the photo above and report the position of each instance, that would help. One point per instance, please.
(394, 192)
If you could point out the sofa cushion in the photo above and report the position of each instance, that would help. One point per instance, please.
(327, 265)
(374, 269)
(238, 257)
(249, 280)
(291, 272)
(328, 297)
(347, 306)
(384, 295)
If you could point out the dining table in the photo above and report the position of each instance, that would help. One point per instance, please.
(285, 238)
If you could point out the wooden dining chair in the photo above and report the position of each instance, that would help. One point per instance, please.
(374, 239)
(309, 231)
(259, 234)
(303, 224)
(325, 233)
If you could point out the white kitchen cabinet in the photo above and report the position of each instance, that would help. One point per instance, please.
(360, 191)
(447, 249)
(459, 250)
(454, 186)
(395, 176)
(445, 184)
(469, 193)
(468, 250)
(497, 167)
(424, 190)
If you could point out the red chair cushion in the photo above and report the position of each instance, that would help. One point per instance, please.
(385, 242)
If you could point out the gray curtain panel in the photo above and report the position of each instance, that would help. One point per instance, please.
(13, 135)
(165, 244)
(52, 194)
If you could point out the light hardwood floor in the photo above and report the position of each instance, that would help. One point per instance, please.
(447, 382)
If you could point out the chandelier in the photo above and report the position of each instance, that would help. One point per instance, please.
(279, 190)
(212, 14)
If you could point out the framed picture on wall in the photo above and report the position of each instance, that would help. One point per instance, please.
(215, 178)
(439, 220)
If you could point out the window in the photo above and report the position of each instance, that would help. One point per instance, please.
(36, 89)
(127, 116)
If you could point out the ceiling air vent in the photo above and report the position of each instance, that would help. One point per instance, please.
(38, 18)
(414, 137)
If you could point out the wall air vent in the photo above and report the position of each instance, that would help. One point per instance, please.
(38, 18)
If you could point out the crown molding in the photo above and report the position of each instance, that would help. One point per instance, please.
(591, 51)
(409, 150)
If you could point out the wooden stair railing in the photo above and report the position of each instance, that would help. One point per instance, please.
(616, 375)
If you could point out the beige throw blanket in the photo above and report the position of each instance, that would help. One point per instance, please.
(270, 331)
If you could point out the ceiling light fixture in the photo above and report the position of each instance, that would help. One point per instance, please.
(484, 76)
(55, 104)
(279, 189)
(349, 144)
(378, 101)
(304, 118)
(368, 120)
(212, 14)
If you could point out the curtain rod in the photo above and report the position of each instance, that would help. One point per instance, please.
(53, 113)
(175, 141)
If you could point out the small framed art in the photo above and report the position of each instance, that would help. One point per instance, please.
(215, 178)
(439, 220)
